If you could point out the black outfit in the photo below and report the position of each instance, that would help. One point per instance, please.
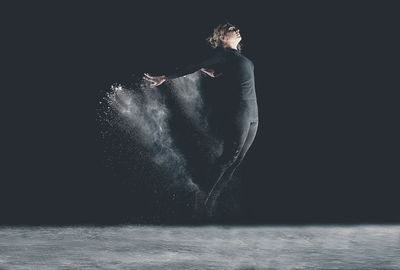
(235, 72)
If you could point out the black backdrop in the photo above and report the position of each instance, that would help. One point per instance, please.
(327, 147)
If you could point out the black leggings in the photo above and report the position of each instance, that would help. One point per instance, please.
(239, 136)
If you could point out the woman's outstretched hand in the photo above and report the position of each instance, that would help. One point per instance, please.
(155, 80)
(209, 72)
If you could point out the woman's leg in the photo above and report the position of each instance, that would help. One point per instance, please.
(234, 136)
(227, 173)
(234, 140)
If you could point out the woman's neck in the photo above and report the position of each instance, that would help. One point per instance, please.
(229, 46)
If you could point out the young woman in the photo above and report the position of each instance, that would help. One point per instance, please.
(236, 72)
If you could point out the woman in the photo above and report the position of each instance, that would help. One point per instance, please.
(240, 126)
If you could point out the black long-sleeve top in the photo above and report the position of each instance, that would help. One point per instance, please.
(236, 74)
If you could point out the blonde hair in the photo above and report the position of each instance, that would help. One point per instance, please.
(221, 30)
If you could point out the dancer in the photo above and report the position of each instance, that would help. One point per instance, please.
(236, 73)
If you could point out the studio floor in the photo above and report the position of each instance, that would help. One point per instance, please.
(203, 247)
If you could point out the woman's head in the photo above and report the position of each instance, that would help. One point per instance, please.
(225, 35)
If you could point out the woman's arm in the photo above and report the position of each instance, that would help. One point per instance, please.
(205, 64)
(191, 68)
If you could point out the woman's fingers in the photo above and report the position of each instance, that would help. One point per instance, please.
(153, 84)
(154, 80)
(148, 77)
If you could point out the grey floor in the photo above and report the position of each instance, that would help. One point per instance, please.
(210, 247)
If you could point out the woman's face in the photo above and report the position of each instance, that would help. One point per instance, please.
(232, 37)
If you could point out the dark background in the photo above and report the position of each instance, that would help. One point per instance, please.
(327, 146)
